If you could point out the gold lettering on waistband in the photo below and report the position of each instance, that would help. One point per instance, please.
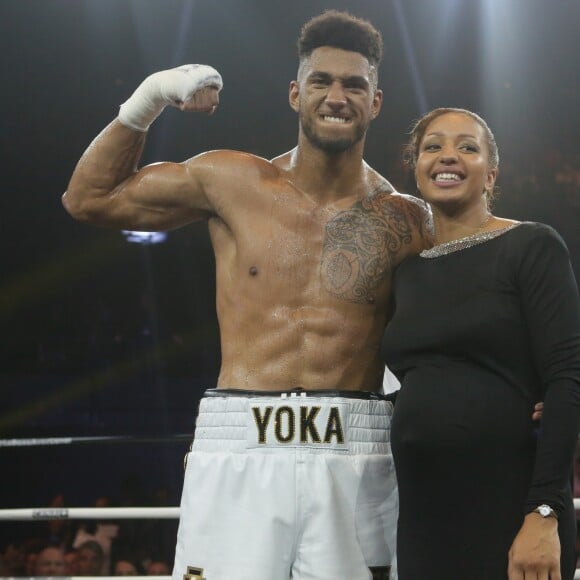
(291, 420)
(307, 425)
(262, 422)
(334, 426)
(298, 424)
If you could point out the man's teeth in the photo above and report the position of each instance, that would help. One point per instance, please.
(334, 119)
(447, 177)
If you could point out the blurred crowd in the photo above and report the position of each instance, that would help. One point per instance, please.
(90, 548)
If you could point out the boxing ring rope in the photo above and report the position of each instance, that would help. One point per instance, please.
(121, 513)
(50, 441)
(131, 513)
(83, 577)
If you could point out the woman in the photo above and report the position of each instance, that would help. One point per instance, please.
(486, 323)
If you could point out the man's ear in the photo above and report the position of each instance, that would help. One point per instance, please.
(377, 103)
(294, 95)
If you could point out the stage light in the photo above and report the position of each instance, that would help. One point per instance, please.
(144, 238)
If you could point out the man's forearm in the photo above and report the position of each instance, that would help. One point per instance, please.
(109, 160)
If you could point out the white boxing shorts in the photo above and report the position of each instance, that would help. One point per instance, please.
(297, 485)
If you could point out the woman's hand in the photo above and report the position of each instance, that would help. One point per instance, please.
(535, 552)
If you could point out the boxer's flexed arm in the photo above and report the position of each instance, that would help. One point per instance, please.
(106, 187)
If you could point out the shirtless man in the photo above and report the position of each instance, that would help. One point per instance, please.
(290, 473)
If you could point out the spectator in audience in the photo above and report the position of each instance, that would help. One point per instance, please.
(71, 562)
(58, 532)
(30, 563)
(91, 558)
(125, 567)
(13, 560)
(158, 568)
(104, 532)
(50, 562)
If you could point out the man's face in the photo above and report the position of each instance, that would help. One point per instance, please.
(50, 562)
(70, 560)
(125, 568)
(89, 563)
(335, 97)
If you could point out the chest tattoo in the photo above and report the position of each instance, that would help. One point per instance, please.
(361, 245)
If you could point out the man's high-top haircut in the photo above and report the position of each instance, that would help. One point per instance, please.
(341, 30)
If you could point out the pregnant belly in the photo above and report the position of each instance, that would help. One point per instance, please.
(463, 443)
(453, 409)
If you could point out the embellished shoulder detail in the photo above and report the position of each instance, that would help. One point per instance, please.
(464, 243)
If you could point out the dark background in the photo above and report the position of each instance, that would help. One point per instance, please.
(104, 337)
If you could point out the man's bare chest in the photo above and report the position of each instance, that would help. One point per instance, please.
(348, 251)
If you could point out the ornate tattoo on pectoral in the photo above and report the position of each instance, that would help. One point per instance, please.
(361, 244)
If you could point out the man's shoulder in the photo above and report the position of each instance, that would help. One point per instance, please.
(382, 189)
(283, 161)
(238, 165)
(407, 198)
(385, 194)
(232, 157)
(404, 200)
(402, 212)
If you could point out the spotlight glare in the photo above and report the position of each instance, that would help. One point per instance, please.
(144, 238)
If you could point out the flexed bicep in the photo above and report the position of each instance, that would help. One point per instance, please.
(107, 189)
(161, 196)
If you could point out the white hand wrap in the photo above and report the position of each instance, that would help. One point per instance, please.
(167, 87)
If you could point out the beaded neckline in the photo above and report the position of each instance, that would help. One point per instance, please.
(464, 243)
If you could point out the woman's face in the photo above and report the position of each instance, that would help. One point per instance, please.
(453, 161)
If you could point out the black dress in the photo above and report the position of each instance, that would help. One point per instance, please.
(478, 336)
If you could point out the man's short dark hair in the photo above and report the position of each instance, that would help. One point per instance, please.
(341, 30)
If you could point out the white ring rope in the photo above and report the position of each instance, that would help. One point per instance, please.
(83, 577)
(122, 513)
(44, 441)
(126, 513)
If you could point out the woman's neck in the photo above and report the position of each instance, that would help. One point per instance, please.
(455, 226)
